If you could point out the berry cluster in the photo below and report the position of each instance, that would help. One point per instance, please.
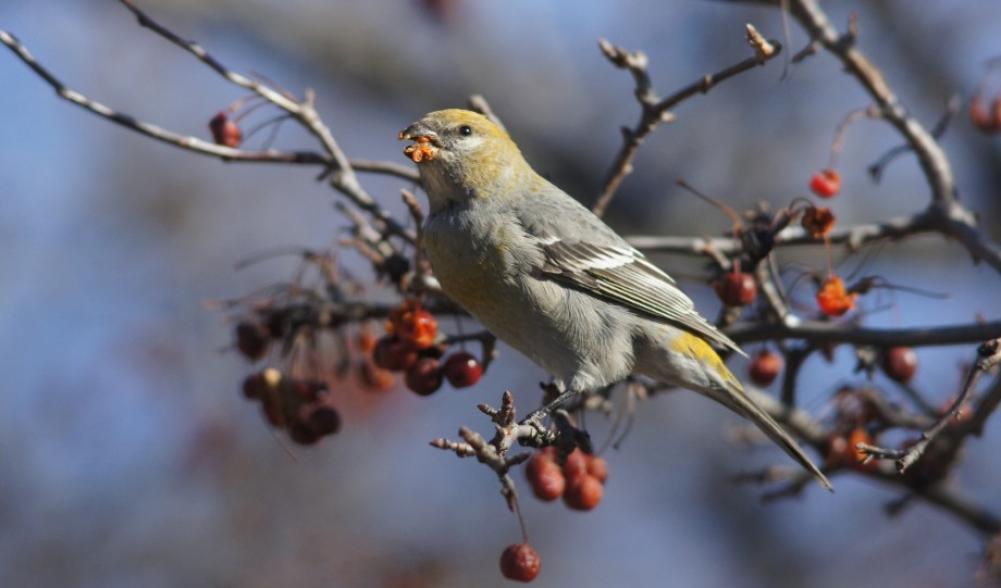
(580, 480)
(412, 346)
(301, 407)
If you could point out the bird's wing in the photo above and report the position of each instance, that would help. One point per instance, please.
(623, 276)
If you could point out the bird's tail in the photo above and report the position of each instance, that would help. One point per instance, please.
(731, 394)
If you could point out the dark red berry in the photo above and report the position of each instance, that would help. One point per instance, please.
(302, 434)
(392, 354)
(225, 131)
(255, 386)
(520, 562)
(251, 340)
(324, 420)
(900, 363)
(583, 492)
(765, 367)
(424, 377)
(736, 288)
(826, 183)
(462, 370)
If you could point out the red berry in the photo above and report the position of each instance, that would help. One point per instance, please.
(520, 562)
(224, 131)
(988, 121)
(826, 183)
(462, 370)
(857, 459)
(538, 461)
(765, 367)
(251, 340)
(583, 492)
(576, 464)
(597, 468)
(424, 377)
(736, 288)
(324, 420)
(546, 479)
(392, 354)
(900, 363)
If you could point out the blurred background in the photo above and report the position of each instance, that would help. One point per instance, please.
(129, 458)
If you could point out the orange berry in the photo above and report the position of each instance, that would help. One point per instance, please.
(373, 377)
(419, 328)
(833, 299)
(576, 464)
(826, 183)
(520, 562)
(859, 435)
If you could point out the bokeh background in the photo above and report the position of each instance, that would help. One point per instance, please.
(127, 455)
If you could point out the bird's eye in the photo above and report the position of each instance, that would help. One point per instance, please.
(465, 130)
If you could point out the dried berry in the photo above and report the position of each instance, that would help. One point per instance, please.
(520, 562)
(833, 299)
(818, 221)
(900, 363)
(424, 377)
(419, 328)
(225, 131)
(324, 420)
(826, 183)
(765, 367)
(583, 492)
(373, 377)
(463, 370)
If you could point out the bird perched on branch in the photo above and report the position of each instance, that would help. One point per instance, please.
(553, 281)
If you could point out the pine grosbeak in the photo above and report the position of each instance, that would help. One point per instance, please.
(552, 280)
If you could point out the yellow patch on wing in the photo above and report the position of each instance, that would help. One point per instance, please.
(696, 348)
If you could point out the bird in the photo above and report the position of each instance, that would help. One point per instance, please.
(552, 280)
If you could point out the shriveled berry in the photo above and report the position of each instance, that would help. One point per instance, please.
(393, 354)
(833, 298)
(547, 480)
(520, 562)
(462, 370)
(765, 367)
(225, 131)
(900, 363)
(826, 183)
(424, 377)
(597, 468)
(583, 492)
(419, 328)
(324, 420)
(251, 340)
(818, 221)
(736, 288)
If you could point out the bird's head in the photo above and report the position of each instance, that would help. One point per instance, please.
(462, 155)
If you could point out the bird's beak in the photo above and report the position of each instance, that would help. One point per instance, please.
(425, 142)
